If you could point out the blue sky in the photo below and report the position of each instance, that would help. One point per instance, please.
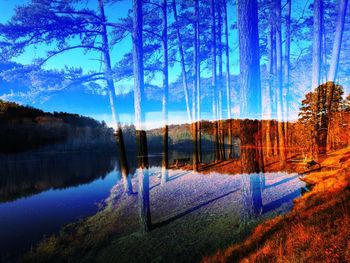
(77, 58)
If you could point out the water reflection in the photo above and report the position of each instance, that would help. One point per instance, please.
(61, 188)
(40, 193)
(28, 174)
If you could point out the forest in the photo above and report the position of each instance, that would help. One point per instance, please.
(273, 47)
(255, 89)
(25, 128)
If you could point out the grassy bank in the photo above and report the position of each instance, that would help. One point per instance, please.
(193, 215)
(316, 230)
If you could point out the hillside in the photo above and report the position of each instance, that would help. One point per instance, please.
(25, 128)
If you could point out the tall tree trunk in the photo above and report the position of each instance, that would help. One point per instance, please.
(324, 55)
(142, 154)
(279, 80)
(165, 72)
(342, 5)
(248, 36)
(287, 45)
(329, 86)
(138, 65)
(112, 97)
(273, 87)
(194, 126)
(214, 81)
(317, 44)
(270, 87)
(317, 64)
(287, 70)
(251, 150)
(182, 60)
(220, 83)
(198, 74)
(332, 75)
(228, 83)
(194, 132)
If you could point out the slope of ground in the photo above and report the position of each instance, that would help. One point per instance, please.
(316, 230)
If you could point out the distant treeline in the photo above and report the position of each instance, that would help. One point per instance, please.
(26, 128)
(180, 137)
(320, 127)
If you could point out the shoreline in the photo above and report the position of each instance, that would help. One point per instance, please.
(316, 230)
(209, 211)
(257, 245)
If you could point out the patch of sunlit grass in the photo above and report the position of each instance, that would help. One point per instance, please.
(317, 230)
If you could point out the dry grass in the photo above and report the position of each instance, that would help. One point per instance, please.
(316, 230)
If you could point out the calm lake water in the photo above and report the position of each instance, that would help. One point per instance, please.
(41, 193)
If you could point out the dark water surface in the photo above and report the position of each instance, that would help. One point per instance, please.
(40, 193)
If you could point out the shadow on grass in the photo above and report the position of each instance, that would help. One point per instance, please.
(178, 216)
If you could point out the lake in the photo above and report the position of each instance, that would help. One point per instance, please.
(40, 193)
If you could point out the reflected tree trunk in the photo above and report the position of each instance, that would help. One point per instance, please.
(143, 201)
(123, 163)
(127, 184)
(112, 96)
(141, 139)
(256, 193)
(165, 72)
(251, 150)
(252, 186)
(143, 182)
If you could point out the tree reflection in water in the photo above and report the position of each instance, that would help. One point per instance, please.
(28, 174)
